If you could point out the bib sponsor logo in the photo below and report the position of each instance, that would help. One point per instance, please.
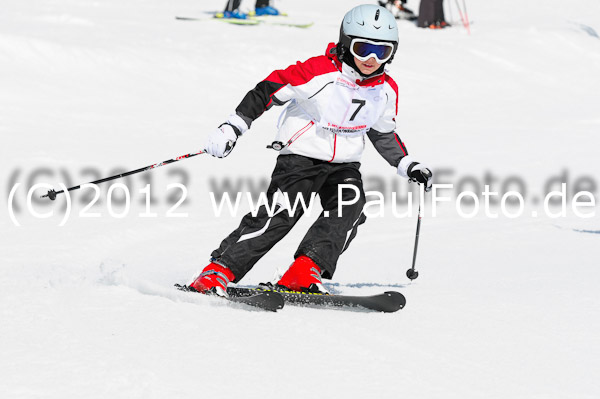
(346, 130)
(346, 83)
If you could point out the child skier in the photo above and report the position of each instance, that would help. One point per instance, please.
(334, 101)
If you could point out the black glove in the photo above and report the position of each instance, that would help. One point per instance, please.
(419, 173)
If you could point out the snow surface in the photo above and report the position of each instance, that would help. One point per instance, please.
(504, 308)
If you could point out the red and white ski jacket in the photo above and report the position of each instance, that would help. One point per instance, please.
(330, 110)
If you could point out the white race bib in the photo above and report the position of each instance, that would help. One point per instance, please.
(352, 109)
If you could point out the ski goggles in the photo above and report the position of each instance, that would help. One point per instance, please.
(364, 49)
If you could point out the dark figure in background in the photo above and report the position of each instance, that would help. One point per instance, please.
(431, 15)
(262, 7)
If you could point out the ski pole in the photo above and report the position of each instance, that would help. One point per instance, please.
(52, 194)
(468, 24)
(462, 17)
(412, 273)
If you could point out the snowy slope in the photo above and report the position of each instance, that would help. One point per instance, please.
(504, 308)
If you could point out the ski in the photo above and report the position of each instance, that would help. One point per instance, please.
(388, 302)
(233, 21)
(272, 298)
(266, 300)
(281, 20)
(253, 21)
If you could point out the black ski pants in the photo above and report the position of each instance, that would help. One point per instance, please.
(327, 238)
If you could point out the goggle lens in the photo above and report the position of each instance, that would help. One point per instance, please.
(364, 49)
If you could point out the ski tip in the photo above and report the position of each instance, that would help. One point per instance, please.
(397, 301)
(182, 287)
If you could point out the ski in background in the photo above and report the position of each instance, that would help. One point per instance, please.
(233, 21)
(282, 20)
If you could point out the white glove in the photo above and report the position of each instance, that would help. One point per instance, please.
(220, 142)
(416, 172)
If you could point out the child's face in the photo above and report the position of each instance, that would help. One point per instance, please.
(367, 67)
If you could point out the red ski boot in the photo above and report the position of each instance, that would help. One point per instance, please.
(303, 275)
(213, 278)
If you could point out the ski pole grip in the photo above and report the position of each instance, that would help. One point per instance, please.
(51, 194)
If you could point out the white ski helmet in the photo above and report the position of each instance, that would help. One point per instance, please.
(368, 21)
